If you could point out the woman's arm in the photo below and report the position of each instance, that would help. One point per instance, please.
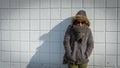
(66, 41)
(90, 45)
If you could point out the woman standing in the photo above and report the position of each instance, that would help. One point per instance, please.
(78, 42)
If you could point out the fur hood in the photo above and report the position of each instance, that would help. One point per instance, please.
(81, 15)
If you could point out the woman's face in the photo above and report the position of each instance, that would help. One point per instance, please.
(80, 24)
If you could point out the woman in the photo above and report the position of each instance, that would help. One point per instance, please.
(78, 42)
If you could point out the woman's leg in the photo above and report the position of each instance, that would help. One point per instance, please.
(83, 65)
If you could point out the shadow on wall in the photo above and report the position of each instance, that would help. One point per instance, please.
(50, 55)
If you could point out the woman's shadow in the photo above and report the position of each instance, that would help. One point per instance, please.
(50, 52)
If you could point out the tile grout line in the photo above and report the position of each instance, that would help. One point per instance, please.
(39, 27)
(49, 36)
(19, 35)
(29, 36)
(94, 33)
(117, 37)
(10, 31)
(105, 32)
(62, 7)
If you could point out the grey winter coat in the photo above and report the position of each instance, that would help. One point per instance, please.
(78, 53)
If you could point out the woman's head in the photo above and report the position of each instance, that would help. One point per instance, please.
(80, 18)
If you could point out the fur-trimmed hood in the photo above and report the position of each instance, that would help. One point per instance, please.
(81, 15)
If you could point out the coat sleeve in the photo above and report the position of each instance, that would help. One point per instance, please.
(90, 45)
(66, 41)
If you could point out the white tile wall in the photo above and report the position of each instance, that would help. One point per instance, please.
(0, 47)
(100, 67)
(5, 13)
(6, 46)
(34, 3)
(118, 60)
(24, 57)
(100, 13)
(111, 25)
(24, 46)
(45, 3)
(118, 49)
(14, 4)
(118, 37)
(111, 60)
(15, 46)
(34, 14)
(14, 14)
(6, 56)
(99, 48)
(111, 37)
(66, 3)
(118, 25)
(5, 35)
(89, 3)
(45, 14)
(118, 3)
(24, 35)
(100, 37)
(24, 3)
(99, 60)
(111, 3)
(15, 57)
(55, 25)
(99, 25)
(4, 3)
(118, 13)
(34, 25)
(5, 25)
(44, 26)
(111, 49)
(34, 36)
(76, 3)
(24, 14)
(5, 64)
(100, 3)
(32, 32)
(90, 12)
(55, 3)
(111, 13)
(65, 13)
(15, 35)
(55, 14)
(14, 25)
(24, 24)
(15, 65)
